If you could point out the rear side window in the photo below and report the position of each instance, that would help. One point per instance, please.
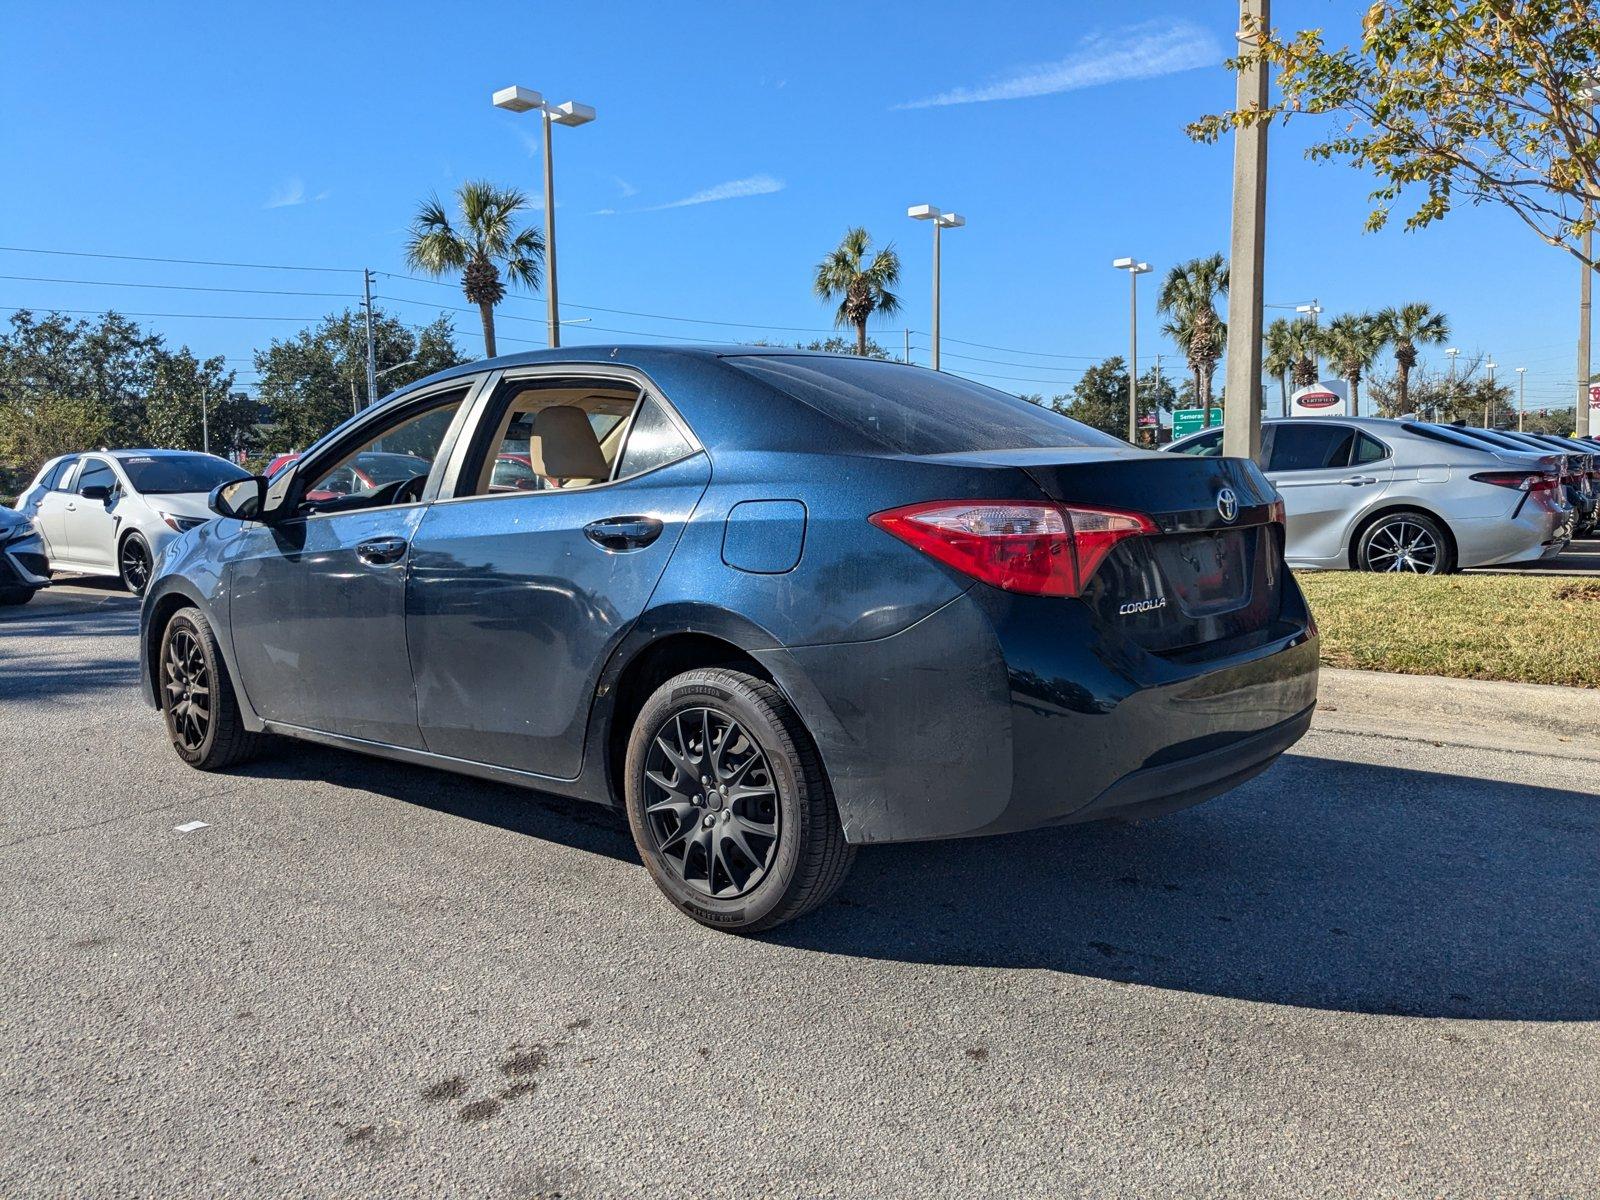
(654, 441)
(913, 411)
(1368, 450)
(1207, 445)
(1309, 446)
(52, 477)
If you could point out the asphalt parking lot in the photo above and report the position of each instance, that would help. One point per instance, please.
(1373, 970)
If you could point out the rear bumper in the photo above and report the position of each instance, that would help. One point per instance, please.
(1000, 713)
(1538, 531)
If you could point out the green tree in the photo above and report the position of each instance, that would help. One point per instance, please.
(484, 246)
(1476, 99)
(1188, 297)
(1281, 351)
(862, 287)
(68, 384)
(1100, 397)
(838, 345)
(181, 383)
(1352, 342)
(1405, 328)
(315, 379)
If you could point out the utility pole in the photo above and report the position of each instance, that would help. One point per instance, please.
(372, 353)
(907, 356)
(1522, 400)
(205, 420)
(1580, 415)
(1241, 419)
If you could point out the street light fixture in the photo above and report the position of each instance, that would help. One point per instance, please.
(1134, 268)
(410, 362)
(521, 99)
(1315, 311)
(941, 220)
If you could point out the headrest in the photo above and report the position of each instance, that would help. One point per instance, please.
(564, 445)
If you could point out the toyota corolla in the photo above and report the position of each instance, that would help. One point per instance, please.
(775, 605)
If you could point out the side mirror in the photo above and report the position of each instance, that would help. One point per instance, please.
(240, 499)
(96, 491)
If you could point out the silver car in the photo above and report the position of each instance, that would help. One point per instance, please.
(1363, 493)
(112, 512)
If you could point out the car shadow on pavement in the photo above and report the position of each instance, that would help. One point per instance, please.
(1324, 883)
(576, 823)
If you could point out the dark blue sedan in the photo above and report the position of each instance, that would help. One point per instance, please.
(775, 604)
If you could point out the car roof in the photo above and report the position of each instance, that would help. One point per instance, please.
(127, 454)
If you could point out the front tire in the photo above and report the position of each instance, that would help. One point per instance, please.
(729, 805)
(197, 700)
(133, 563)
(1406, 543)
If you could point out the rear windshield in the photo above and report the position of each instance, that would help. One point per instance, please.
(914, 411)
(170, 473)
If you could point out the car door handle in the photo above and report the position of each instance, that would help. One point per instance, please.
(1357, 480)
(381, 551)
(72, 508)
(623, 533)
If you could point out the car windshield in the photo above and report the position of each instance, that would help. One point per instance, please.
(157, 474)
(390, 468)
(913, 411)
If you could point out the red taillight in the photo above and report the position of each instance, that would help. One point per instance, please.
(1522, 481)
(1276, 512)
(1019, 545)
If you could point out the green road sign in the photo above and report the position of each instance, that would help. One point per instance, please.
(1192, 420)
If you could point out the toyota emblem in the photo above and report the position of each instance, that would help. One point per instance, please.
(1228, 505)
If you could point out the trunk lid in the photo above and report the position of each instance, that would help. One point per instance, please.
(1213, 574)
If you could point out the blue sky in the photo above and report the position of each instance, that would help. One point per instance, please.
(735, 142)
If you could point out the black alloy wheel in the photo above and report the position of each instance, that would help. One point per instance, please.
(729, 804)
(186, 680)
(711, 803)
(133, 562)
(197, 701)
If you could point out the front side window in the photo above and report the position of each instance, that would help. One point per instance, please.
(558, 434)
(169, 474)
(391, 466)
(96, 473)
(1309, 446)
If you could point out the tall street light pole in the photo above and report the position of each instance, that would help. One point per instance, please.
(1585, 285)
(521, 99)
(941, 221)
(1522, 401)
(1134, 269)
(1241, 414)
(1314, 310)
(372, 353)
(1488, 398)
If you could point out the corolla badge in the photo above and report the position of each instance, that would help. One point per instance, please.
(1228, 505)
(1149, 604)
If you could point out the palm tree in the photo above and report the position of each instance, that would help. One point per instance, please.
(862, 287)
(485, 245)
(1305, 345)
(1280, 356)
(1353, 342)
(1406, 328)
(1189, 296)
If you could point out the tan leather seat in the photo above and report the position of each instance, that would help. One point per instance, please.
(564, 448)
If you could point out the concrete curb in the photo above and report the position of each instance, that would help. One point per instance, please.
(1487, 715)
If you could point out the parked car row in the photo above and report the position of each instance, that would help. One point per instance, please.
(1370, 494)
(112, 512)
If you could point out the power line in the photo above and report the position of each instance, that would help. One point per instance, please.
(102, 312)
(175, 287)
(188, 262)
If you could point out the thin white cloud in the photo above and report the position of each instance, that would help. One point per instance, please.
(604, 212)
(734, 189)
(287, 193)
(1140, 51)
(627, 189)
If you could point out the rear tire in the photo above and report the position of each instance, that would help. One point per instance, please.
(1406, 543)
(196, 695)
(729, 805)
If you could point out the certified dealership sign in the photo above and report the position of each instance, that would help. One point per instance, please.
(1326, 398)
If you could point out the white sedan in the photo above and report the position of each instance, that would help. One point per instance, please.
(112, 512)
